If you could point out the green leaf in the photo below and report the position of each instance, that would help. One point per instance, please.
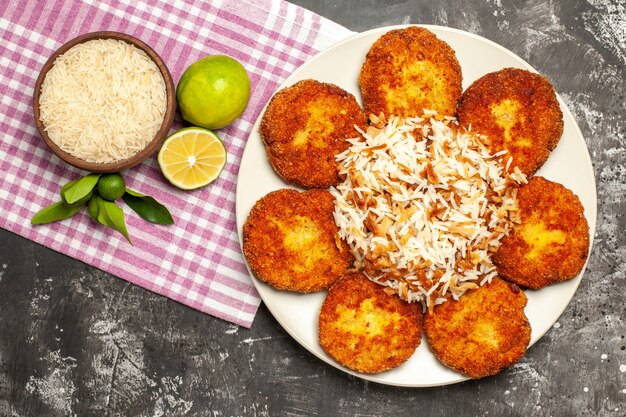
(110, 215)
(54, 212)
(81, 188)
(148, 208)
(134, 193)
(92, 206)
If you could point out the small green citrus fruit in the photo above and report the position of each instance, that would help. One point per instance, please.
(213, 92)
(111, 186)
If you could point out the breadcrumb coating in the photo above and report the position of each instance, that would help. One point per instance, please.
(483, 332)
(552, 241)
(410, 70)
(365, 329)
(291, 242)
(305, 126)
(517, 110)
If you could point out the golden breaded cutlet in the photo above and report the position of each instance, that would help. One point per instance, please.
(365, 329)
(409, 70)
(483, 332)
(518, 111)
(291, 242)
(305, 126)
(552, 241)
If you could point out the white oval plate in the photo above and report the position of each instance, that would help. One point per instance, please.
(569, 164)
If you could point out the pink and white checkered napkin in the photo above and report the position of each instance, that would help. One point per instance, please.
(197, 261)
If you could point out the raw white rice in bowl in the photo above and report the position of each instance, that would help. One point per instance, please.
(103, 100)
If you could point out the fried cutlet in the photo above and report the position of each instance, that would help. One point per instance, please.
(552, 241)
(483, 332)
(517, 110)
(291, 242)
(365, 329)
(407, 71)
(305, 126)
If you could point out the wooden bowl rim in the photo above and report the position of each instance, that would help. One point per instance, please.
(160, 135)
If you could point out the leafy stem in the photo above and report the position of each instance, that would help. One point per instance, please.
(110, 215)
(147, 208)
(86, 191)
(54, 212)
(80, 188)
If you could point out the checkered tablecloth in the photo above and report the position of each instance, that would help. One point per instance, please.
(197, 261)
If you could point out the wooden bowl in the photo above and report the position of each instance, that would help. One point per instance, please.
(151, 147)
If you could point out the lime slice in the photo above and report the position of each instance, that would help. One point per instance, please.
(192, 157)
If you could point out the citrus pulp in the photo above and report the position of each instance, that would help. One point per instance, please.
(192, 158)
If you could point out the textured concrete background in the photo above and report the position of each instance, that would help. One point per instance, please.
(74, 340)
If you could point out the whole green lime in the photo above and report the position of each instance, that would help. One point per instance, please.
(213, 91)
(78, 203)
(111, 186)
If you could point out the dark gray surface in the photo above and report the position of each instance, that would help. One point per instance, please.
(75, 340)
